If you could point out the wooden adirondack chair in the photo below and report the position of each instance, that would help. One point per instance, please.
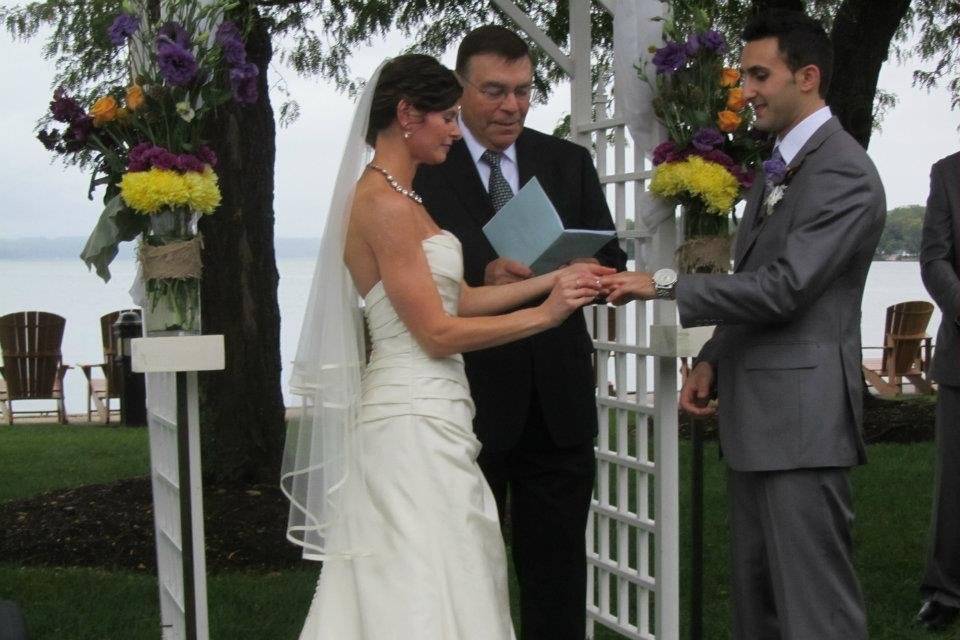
(905, 354)
(101, 390)
(33, 366)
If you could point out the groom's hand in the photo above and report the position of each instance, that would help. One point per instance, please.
(505, 271)
(621, 288)
(695, 394)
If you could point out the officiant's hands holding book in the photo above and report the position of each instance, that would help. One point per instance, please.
(505, 271)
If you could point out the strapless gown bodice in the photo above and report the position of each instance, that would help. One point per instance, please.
(432, 564)
(400, 376)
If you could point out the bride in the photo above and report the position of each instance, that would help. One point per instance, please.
(381, 470)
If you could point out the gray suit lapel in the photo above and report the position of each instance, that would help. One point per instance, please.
(754, 230)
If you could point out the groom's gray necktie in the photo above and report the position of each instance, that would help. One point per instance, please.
(499, 188)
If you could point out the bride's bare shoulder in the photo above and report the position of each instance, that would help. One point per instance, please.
(380, 214)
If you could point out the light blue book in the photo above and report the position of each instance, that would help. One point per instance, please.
(529, 230)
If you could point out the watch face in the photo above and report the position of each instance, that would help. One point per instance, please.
(664, 277)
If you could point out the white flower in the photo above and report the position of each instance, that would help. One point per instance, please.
(185, 111)
(775, 196)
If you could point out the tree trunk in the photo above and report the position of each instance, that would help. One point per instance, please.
(861, 36)
(241, 408)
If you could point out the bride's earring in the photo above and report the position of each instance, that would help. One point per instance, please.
(407, 134)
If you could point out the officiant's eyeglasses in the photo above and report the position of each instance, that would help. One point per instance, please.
(498, 93)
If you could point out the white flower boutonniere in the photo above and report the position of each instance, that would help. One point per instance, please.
(775, 196)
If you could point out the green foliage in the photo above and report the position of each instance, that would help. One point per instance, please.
(938, 24)
(901, 234)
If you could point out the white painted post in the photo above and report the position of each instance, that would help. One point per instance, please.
(173, 418)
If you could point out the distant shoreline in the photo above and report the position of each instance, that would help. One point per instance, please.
(69, 248)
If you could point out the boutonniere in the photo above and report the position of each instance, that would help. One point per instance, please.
(778, 176)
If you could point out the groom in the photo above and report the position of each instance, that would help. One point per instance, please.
(785, 358)
(536, 407)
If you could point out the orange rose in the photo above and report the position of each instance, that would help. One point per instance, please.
(728, 121)
(103, 110)
(134, 97)
(735, 100)
(729, 77)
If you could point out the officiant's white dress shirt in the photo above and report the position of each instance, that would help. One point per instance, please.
(508, 160)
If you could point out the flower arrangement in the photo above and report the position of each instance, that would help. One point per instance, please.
(144, 139)
(710, 154)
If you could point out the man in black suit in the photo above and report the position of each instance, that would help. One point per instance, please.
(940, 269)
(536, 407)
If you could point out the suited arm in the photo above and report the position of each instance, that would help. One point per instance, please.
(937, 250)
(595, 214)
(842, 215)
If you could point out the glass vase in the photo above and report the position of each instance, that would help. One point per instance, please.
(707, 242)
(170, 260)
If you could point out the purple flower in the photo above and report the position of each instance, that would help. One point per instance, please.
(229, 38)
(206, 155)
(187, 162)
(706, 139)
(124, 26)
(775, 170)
(175, 32)
(669, 58)
(65, 108)
(692, 45)
(243, 81)
(77, 133)
(743, 176)
(135, 158)
(713, 41)
(719, 157)
(177, 65)
(664, 152)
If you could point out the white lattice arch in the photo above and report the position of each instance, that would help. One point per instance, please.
(633, 530)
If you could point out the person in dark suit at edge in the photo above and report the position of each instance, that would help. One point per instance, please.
(785, 358)
(940, 270)
(536, 406)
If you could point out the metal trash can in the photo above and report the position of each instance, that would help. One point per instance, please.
(133, 393)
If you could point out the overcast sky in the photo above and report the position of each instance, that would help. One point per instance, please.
(41, 198)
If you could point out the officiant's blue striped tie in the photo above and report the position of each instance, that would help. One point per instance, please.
(499, 188)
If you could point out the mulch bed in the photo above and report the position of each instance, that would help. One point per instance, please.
(111, 525)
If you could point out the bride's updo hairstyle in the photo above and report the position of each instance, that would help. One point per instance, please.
(420, 80)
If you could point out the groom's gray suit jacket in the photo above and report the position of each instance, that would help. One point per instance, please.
(787, 349)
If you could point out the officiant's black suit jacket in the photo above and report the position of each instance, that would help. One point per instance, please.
(555, 364)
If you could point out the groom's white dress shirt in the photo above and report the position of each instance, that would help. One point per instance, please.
(508, 160)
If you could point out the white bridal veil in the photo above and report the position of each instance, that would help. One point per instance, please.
(320, 455)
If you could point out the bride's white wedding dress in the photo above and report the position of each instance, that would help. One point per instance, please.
(433, 565)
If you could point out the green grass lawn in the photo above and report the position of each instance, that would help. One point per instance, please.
(39, 458)
(892, 497)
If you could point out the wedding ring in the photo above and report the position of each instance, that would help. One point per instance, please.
(578, 283)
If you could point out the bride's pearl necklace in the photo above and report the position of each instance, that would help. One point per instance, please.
(410, 193)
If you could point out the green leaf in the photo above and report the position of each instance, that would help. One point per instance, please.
(116, 224)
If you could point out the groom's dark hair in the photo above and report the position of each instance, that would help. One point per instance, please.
(490, 38)
(420, 80)
(800, 39)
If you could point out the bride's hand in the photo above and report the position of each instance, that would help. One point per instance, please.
(589, 271)
(574, 287)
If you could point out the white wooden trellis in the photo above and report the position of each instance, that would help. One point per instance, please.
(633, 527)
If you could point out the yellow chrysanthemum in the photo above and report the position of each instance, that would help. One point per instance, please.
(149, 191)
(697, 178)
(204, 192)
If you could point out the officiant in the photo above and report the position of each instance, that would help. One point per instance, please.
(536, 407)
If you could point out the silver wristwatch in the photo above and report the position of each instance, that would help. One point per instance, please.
(664, 280)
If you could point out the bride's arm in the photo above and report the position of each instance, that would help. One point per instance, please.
(491, 299)
(396, 242)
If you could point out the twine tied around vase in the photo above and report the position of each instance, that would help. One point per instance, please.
(705, 254)
(176, 260)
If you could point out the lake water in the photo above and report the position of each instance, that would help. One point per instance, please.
(66, 288)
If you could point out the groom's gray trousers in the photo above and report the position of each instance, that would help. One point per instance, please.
(791, 574)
